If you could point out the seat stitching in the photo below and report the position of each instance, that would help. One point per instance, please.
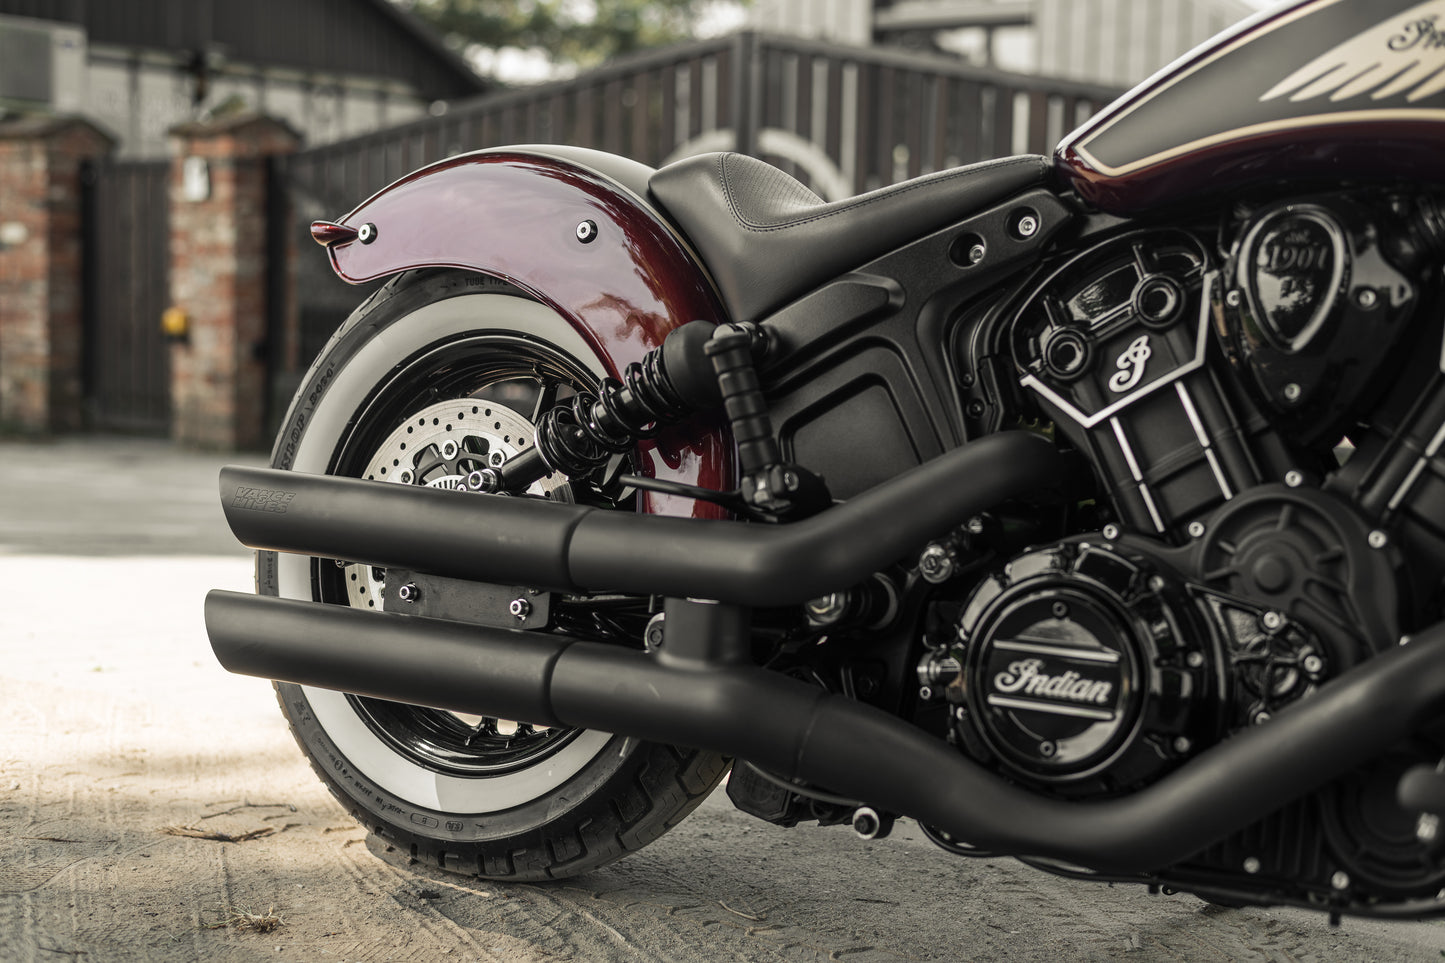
(881, 196)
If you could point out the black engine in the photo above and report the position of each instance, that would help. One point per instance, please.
(1237, 566)
(1095, 665)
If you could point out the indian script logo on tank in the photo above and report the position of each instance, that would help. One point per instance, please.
(1027, 677)
(1402, 55)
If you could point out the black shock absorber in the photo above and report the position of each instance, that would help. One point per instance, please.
(696, 367)
(575, 438)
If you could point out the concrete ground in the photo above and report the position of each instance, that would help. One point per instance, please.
(118, 731)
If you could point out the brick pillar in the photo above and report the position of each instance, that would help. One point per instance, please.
(219, 264)
(41, 255)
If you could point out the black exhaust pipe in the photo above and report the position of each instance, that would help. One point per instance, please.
(524, 541)
(861, 752)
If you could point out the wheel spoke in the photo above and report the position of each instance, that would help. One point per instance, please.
(457, 418)
(546, 398)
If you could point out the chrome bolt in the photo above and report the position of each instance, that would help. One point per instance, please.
(1195, 660)
(483, 481)
(1427, 827)
(1313, 664)
(1196, 529)
(1293, 479)
(587, 231)
(405, 477)
(1261, 717)
(1292, 392)
(1251, 865)
(449, 449)
(1232, 299)
(939, 668)
(1272, 620)
(827, 609)
(1027, 226)
(1111, 531)
(1378, 539)
(1367, 298)
(1182, 744)
(520, 609)
(1157, 583)
(1060, 610)
(366, 233)
(925, 692)
(935, 564)
(976, 253)
(340, 563)
(496, 458)
(1341, 880)
(408, 592)
(655, 634)
(1048, 749)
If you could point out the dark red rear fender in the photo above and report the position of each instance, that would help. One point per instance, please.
(515, 215)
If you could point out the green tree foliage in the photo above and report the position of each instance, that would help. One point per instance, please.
(579, 33)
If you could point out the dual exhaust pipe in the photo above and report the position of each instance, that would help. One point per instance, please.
(727, 706)
(527, 541)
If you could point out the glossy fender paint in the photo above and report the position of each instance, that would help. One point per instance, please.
(623, 282)
(1330, 88)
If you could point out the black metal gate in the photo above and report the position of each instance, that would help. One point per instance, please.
(127, 360)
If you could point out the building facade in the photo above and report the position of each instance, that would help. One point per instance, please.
(1113, 42)
(329, 68)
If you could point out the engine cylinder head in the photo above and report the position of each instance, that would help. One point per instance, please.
(1116, 348)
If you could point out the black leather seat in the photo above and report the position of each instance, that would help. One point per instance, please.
(768, 239)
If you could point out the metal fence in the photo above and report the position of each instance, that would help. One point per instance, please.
(843, 119)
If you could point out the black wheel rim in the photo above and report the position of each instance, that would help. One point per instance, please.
(498, 369)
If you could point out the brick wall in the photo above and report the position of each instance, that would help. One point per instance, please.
(219, 278)
(41, 309)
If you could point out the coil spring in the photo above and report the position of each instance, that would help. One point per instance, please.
(576, 437)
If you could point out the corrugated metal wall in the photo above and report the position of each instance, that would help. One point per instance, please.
(366, 38)
(1113, 42)
(1121, 42)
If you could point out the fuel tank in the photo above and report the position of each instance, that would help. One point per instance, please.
(1311, 88)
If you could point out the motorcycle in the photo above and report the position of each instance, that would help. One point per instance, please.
(1089, 509)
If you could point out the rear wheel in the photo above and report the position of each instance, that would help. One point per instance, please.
(439, 374)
